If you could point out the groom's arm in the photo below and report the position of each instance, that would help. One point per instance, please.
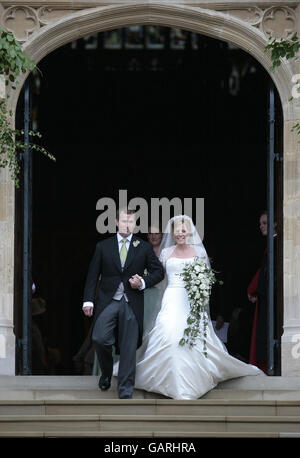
(94, 271)
(155, 272)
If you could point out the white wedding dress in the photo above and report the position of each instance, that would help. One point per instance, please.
(163, 366)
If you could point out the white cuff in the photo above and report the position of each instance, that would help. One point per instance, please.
(87, 304)
(143, 285)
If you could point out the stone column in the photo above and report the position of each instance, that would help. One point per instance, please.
(291, 264)
(291, 208)
(7, 338)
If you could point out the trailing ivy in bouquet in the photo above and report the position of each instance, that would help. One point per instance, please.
(198, 279)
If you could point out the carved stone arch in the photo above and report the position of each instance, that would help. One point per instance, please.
(207, 22)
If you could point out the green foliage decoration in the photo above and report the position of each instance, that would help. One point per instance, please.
(284, 49)
(13, 62)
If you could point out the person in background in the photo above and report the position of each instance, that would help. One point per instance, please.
(221, 327)
(39, 348)
(154, 237)
(151, 295)
(258, 295)
(235, 335)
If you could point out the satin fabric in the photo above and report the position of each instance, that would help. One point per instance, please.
(164, 367)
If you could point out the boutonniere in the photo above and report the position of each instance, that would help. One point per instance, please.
(145, 272)
(136, 243)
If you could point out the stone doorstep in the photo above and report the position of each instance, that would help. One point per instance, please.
(150, 418)
(180, 402)
(150, 423)
(86, 387)
(90, 382)
(198, 403)
(134, 434)
(157, 403)
(94, 395)
(150, 407)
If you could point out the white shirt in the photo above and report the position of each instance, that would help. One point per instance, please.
(120, 243)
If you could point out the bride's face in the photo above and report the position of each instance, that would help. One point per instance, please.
(180, 233)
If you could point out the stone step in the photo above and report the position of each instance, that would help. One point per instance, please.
(142, 424)
(149, 435)
(150, 407)
(86, 387)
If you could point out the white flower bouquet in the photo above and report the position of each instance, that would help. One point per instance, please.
(198, 279)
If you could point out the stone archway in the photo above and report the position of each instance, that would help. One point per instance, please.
(42, 30)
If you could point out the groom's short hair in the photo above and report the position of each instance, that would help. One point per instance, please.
(127, 211)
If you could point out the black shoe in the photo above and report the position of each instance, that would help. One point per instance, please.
(104, 383)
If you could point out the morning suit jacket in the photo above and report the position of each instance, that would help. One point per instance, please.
(106, 264)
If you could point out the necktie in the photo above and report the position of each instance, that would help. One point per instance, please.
(123, 251)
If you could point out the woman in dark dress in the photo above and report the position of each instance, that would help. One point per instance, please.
(258, 295)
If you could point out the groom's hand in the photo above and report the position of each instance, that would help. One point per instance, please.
(135, 281)
(88, 311)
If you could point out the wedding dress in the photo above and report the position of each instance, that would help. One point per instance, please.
(163, 366)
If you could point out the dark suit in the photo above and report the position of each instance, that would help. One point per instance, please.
(120, 322)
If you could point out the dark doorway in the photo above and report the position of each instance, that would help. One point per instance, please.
(189, 120)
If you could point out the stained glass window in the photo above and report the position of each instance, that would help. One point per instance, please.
(112, 39)
(140, 37)
(194, 40)
(178, 38)
(134, 37)
(155, 37)
(90, 42)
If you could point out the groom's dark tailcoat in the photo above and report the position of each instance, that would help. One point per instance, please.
(106, 264)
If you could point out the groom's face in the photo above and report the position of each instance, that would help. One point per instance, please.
(125, 224)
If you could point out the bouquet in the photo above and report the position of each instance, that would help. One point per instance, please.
(198, 279)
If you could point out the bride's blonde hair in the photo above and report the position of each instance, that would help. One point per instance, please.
(182, 220)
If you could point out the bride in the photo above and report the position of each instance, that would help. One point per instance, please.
(163, 366)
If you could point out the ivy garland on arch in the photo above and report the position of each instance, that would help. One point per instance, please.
(13, 62)
(285, 49)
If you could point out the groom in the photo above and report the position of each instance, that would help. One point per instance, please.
(118, 319)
